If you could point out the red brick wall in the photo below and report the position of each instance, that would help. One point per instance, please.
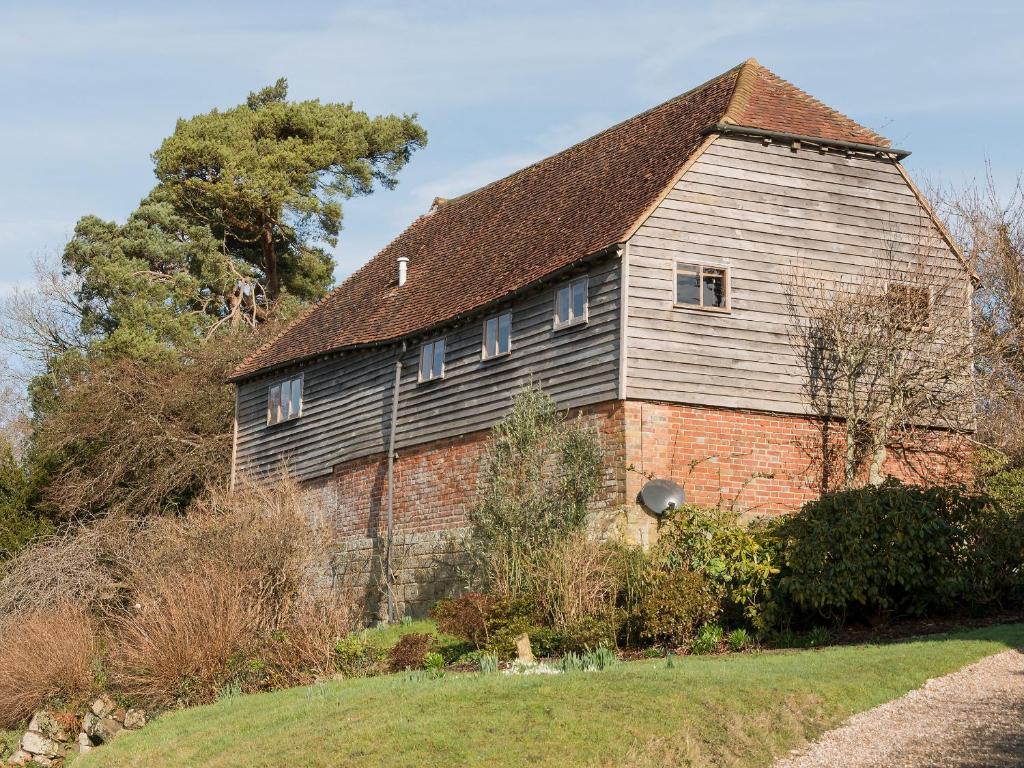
(436, 482)
(755, 461)
(759, 462)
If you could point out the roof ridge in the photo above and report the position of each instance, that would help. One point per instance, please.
(741, 92)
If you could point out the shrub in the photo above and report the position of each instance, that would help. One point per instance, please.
(898, 549)
(675, 603)
(464, 617)
(434, 664)
(738, 639)
(177, 646)
(410, 652)
(354, 657)
(573, 587)
(739, 561)
(47, 658)
(708, 639)
(539, 475)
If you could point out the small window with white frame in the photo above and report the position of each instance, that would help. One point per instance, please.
(571, 303)
(284, 400)
(699, 286)
(432, 360)
(497, 336)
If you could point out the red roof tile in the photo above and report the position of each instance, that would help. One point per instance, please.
(475, 249)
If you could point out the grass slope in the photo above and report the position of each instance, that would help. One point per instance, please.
(738, 710)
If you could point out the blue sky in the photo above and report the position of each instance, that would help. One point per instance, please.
(89, 90)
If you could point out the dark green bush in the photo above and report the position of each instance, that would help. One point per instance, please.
(899, 549)
(676, 602)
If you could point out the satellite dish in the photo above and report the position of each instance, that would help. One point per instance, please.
(660, 496)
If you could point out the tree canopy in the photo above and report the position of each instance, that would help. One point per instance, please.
(240, 225)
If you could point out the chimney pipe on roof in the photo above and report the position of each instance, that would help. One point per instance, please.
(403, 270)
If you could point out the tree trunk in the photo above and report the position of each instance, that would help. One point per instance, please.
(270, 265)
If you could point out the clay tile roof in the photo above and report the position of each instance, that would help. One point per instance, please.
(473, 250)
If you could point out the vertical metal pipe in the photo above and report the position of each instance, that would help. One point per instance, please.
(389, 576)
(234, 444)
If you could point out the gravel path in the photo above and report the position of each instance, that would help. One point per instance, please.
(972, 718)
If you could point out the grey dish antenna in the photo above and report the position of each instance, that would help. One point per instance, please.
(660, 496)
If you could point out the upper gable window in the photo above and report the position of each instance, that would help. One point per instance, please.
(497, 336)
(284, 400)
(432, 360)
(571, 303)
(702, 287)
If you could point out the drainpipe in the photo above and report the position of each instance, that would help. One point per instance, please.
(389, 576)
(234, 445)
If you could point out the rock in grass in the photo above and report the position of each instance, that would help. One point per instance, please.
(523, 650)
(19, 758)
(134, 719)
(84, 743)
(104, 730)
(45, 723)
(103, 706)
(40, 745)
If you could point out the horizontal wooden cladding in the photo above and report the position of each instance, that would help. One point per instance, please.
(347, 399)
(773, 217)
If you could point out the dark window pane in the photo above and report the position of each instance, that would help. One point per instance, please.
(687, 285)
(579, 299)
(504, 333)
(714, 288)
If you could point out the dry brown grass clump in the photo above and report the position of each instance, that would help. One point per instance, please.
(232, 593)
(574, 581)
(45, 657)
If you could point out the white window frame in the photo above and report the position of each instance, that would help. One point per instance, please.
(430, 375)
(485, 353)
(700, 267)
(280, 415)
(573, 318)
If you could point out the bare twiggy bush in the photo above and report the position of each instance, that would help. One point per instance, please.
(575, 581)
(133, 437)
(989, 226)
(46, 658)
(85, 565)
(887, 353)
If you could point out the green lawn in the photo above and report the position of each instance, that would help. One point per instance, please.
(738, 710)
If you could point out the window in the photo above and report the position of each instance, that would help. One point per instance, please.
(432, 360)
(284, 400)
(702, 287)
(571, 303)
(497, 336)
(912, 304)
